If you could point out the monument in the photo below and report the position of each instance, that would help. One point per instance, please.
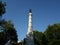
(29, 36)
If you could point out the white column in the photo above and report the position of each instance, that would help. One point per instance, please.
(30, 23)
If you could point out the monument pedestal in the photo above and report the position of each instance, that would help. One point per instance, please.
(29, 40)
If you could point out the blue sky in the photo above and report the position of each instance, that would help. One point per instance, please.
(45, 12)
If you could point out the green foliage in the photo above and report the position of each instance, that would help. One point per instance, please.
(54, 42)
(51, 36)
(2, 38)
(15, 43)
(8, 32)
(9, 24)
(2, 8)
(52, 33)
(21, 43)
(39, 38)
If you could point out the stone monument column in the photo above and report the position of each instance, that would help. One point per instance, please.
(30, 23)
(29, 37)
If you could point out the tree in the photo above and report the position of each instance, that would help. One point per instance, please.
(39, 38)
(21, 43)
(2, 8)
(52, 33)
(8, 32)
(54, 42)
(2, 38)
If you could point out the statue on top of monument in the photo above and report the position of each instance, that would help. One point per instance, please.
(30, 11)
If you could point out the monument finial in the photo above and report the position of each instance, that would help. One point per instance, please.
(30, 11)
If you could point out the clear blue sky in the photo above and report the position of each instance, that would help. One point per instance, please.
(45, 12)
